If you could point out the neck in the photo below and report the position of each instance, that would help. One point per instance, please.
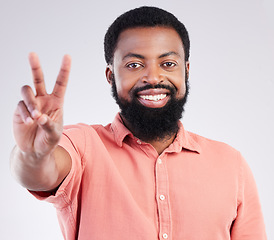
(162, 144)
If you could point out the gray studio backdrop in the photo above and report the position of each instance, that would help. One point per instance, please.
(231, 76)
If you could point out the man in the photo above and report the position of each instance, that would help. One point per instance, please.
(142, 176)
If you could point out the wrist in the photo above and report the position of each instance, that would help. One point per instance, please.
(32, 159)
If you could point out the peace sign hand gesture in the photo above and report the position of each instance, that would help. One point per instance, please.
(38, 119)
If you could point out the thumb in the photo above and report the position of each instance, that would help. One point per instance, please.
(53, 129)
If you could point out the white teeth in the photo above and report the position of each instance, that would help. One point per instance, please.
(153, 97)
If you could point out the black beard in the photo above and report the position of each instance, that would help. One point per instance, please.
(152, 123)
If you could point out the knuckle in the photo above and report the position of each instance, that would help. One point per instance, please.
(37, 80)
(26, 91)
(22, 110)
(61, 83)
(25, 88)
(21, 106)
(20, 103)
(28, 97)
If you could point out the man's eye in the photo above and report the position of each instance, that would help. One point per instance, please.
(169, 64)
(133, 65)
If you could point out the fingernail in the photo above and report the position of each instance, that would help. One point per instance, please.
(43, 119)
(29, 121)
(35, 113)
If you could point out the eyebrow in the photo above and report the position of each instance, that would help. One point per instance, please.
(135, 55)
(169, 54)
(129, 55)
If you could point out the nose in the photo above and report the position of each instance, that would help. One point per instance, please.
(152, 75)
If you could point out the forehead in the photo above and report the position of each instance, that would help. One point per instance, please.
(149, 40)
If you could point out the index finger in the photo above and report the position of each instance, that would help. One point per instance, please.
(38, 78)
(62, 79)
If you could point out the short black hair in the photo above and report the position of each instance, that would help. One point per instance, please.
(143, 17)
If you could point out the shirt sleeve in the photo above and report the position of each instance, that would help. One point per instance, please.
(73, 141)
(249, 223)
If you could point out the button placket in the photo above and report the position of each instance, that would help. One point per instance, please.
(162, 199)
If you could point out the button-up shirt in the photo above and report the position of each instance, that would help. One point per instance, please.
(120, 188)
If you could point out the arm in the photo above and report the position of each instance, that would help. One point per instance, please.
(249, 223)
(37, 162)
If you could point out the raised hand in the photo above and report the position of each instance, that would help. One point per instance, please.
(38, 119)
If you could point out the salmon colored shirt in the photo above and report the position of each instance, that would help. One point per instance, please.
(119, 188)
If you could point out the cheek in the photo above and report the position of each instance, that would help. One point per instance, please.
(125, 81)
(181, 90)
(181, 85)
(123, 85)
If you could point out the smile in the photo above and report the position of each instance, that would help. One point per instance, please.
(154, 98)
(157, 97)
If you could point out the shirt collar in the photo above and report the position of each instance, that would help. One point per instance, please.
(183, 140)
(120, 130)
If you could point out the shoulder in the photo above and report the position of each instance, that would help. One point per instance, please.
(207, 144)
(84, 129)
(218, 152)
(81, 134)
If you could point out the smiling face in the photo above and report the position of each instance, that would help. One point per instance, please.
(147, 57)
(148, 78)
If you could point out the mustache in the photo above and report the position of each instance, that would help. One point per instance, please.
(146, 87)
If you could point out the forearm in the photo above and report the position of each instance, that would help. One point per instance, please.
(33, 172)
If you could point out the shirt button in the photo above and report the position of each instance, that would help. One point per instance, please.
(162, 197)
(165, 236)
(160, 161)
(139, 142)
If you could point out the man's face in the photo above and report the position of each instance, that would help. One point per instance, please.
(148, 78)
(149, 56)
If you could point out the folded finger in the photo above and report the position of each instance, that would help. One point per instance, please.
(30, 101)
(62, 79)
(23, 113)
(38, 78)
(48, 125)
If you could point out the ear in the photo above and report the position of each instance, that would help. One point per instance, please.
(109, 73)
(187, 68)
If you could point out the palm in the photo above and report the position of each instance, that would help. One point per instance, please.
(37, 137)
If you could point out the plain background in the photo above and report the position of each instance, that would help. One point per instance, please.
(231, 77)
